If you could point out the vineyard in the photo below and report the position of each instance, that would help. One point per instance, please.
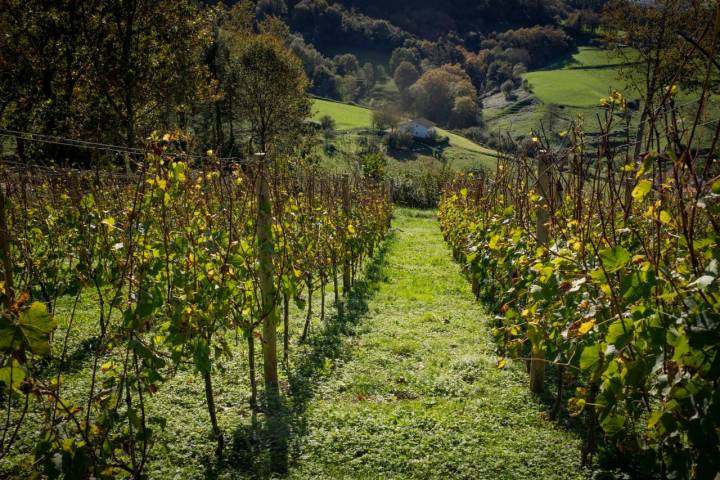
(603, 273)
(116, 283)
(352, 239)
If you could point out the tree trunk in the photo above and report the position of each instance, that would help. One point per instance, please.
(346, 210)
(338, 302)
(322, 297)
(5, 250)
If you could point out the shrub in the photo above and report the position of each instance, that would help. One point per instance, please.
(419, 183)
(373, 165)
(399, 141)
(507, 88)
(327, 122)
(385, 117)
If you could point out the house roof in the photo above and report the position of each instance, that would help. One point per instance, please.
(420, 121)
(424, 122)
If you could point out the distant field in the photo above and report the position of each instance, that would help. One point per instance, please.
(575, 85)
(346, 116)
(575, 88)
(581, 81)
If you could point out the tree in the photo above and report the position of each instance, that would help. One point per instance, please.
(507, 89)
(373, 165)
(405, 75)
(275, 8)
(347, 63)
(146, 61)
(368, 73)
(110, 71)
(385, 117)
(271, 90)
(464, 112)
(400, 55)
(325, 82)
(435, 92)
(327, 122)
(659, 56)
(380, 73)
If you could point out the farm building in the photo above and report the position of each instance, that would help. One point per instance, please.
(418, 128)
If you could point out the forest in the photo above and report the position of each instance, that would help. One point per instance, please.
(358, 239)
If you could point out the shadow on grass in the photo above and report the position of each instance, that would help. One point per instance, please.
(267, 450)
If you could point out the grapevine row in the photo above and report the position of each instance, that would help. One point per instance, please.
(604, 268)
(174, 259)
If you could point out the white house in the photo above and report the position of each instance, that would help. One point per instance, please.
(418, 128)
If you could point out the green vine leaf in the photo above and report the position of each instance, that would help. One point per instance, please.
(614, 258)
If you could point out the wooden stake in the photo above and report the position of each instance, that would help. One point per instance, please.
(537, 356)
(5, 252)
(346, 279)
(266, 252)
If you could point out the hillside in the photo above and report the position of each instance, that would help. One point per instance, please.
(429, 18)
(560, 92)
(573, 87)
(464, 153)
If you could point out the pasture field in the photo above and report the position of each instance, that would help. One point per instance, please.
(346, 116)
(573, 87)
(581, 80)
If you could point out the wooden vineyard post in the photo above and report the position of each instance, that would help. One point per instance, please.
(474, 280)
(5, 251)
(537, 356)
(266, 252)
(346, 278)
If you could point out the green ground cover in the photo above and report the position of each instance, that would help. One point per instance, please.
(575, 85)
(346, 116)
(416, 393)
(582, 80)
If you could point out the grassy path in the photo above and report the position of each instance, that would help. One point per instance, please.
(416, 393)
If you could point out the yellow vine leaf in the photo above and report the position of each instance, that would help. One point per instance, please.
(585, 327)
(641, 189)
(665, 217)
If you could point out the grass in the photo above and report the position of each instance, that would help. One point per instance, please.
(403, 386)
(594, 57)
(580, 81)
(346, 116)
(575, 87)
(417, 394)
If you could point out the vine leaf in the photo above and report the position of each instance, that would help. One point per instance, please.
(31, 330)
(641, 189)
(13, 373)
(703, 282)
(590, 356)
(614, 258)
